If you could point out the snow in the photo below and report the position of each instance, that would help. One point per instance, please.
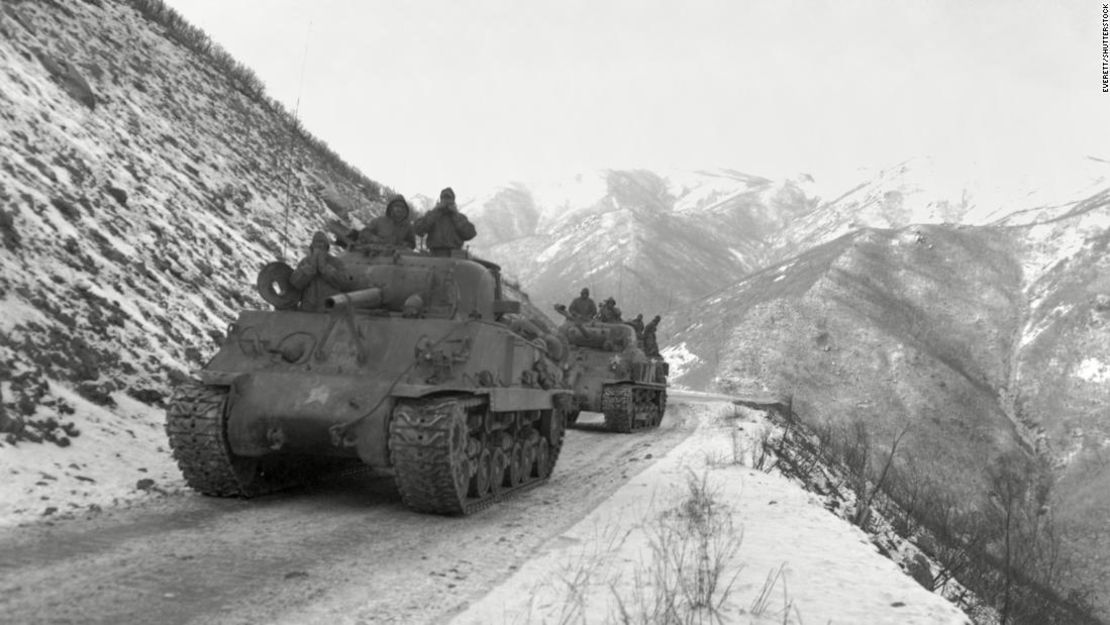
(680, 358)
(1093, 370)
(95, 470)
(820, 568)
(17, 312)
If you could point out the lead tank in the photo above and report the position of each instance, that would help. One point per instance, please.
(611, 374)
(412, 368)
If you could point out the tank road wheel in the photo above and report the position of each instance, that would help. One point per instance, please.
(480, 482)
(196, 424)
(529, 453)
(428, 445)
(552, 431)
(516, 474)
(543, 466)
(498, 479)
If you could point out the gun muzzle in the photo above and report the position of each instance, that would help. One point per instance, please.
(364, 298)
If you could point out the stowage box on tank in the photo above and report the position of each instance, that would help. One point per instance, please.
(412, 366)
(611, 374)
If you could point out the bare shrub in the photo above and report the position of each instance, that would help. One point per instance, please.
(686, 581)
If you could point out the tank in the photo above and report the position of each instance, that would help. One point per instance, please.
(414, 365)
(611, 374)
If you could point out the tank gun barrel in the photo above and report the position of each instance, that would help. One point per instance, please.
(363, 298)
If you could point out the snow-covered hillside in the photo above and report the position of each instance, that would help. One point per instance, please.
(140, 193)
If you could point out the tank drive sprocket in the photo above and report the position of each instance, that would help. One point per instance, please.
(195, 424)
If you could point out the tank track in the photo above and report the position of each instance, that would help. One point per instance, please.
(631, 408)
(196, 427)
(442, 466)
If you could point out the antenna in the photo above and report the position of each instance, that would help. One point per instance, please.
(289, 149)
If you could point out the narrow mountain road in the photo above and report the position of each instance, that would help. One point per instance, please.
(347, 552)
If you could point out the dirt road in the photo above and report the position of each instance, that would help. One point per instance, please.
(345, 553)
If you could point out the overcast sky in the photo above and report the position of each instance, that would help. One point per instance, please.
(420, 94)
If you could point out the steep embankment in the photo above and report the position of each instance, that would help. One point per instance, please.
(982, 340)
(141, 189)
(1061, 383)
(883, 327)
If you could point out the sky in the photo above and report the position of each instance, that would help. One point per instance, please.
(423, 94)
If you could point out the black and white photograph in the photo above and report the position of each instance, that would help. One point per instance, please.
(557, 312)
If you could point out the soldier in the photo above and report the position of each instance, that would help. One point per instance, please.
(651, 345)
(317, 275)
(394, 228)
(638, 325)
(583, 308)
(445, 226)
(609, 312)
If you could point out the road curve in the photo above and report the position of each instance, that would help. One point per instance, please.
(345, 552)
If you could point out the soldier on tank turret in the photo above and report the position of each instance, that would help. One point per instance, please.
(317, 275)
(638, 325)
(651, 345)
(392, 229)
(583, 308)
(609, 312)
(446, 228)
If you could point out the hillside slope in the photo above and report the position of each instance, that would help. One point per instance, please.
(140, 192)
(982, 341)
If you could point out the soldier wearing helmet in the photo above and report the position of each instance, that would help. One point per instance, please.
(651, 345)
(317, 275)
(583, 308)
(393, 229)
(446, 228)
(638, 325)
(609, 312)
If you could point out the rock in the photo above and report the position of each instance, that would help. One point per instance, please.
(68, 78)
(336, 203)
(918, 568)
(96, 395)
(119, 195)
(66, 208)
(146, 484)
(8, 231)
(18, 17)
(148, 396)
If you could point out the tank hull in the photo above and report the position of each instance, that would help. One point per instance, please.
(412, 369)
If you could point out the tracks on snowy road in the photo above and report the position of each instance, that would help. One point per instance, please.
(346, 552)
